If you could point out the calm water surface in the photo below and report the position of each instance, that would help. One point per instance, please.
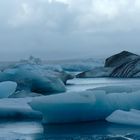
(89, 83)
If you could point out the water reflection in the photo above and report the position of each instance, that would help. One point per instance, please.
(25, 130)
(90, 128)
(33, 130)
(21, 127)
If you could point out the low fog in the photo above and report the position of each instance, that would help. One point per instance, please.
(67, 29)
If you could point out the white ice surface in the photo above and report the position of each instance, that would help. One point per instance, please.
(128, 88)
(131, 117)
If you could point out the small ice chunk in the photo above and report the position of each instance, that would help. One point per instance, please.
(7, 88)
(131, 117)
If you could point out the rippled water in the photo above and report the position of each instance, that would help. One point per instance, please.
(35, 130)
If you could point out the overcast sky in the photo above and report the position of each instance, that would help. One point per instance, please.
(57, 29)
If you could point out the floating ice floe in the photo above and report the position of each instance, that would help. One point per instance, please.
(131, 117)
(83, 106)
(128, 88)
(95, 73)
(7, 88)
(17, 109)
(66, 107)
(33, 80)
(30, 75)
(24, 94)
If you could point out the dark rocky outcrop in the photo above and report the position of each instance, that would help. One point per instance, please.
(121, 65)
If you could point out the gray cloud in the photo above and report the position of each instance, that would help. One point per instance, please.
(56, 29)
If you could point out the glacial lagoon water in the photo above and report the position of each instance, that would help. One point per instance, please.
(35, 130)
(81, 84)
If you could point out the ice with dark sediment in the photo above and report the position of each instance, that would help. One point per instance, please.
(122, 65)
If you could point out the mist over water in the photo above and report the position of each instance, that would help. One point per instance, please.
(66, 29)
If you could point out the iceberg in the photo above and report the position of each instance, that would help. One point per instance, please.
(32, 77)
(95, 73)
(24, 94)
(128, 88)
(33, 80)
(7, 88)
(83, 106)
(122, 65)
(131, 117)
(125, 65)
(17, 108)
(66, 107)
